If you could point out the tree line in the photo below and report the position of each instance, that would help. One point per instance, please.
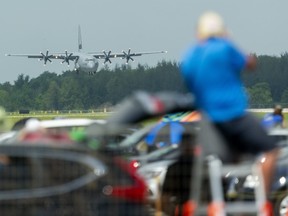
(71, 91)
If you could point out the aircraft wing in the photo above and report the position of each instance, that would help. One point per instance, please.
(124, 55)
(47, 57)
(26, 55)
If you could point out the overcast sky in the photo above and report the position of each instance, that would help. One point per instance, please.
(31, 26)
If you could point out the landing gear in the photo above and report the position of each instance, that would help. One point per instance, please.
(92, 73)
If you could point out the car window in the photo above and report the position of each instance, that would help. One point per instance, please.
(35, 172)
(57, 171)
(168, 134)
(15, 173)
(136, 137)
(146, 142)
(162, 153)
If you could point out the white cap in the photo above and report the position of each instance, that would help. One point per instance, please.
(210, 24)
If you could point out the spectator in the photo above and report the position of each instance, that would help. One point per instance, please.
(212, 71)
(275, 119)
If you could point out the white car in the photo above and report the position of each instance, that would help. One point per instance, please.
(69, 123)
(153, 169)
(51, 126)
(154, 175)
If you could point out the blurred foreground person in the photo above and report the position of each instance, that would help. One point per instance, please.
(212, 71)
(275, 119)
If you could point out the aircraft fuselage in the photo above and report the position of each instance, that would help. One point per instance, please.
(86, 63)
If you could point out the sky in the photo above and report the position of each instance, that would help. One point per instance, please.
(31, 26)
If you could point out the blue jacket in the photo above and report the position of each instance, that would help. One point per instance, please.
(212, 71)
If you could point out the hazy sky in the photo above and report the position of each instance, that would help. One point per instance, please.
(31, 26)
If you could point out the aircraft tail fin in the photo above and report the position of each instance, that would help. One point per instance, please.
(79, 39)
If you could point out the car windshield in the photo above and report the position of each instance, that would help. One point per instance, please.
(169, 152)
(151, 141)
(136, 137)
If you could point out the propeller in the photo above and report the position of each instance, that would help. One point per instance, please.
(67, 58)
(127, 56)
(45, 57)
(107, 57)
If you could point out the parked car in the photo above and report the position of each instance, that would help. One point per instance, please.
(154, 174)
(134, 149)
(54, 179)
(57, 179)
(54, 130)
(235, 188)
(244, 187)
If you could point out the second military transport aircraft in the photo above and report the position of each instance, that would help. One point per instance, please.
(86, 62)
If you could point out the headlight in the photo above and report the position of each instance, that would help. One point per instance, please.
(282, 181)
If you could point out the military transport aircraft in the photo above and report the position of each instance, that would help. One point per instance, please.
(86, 62)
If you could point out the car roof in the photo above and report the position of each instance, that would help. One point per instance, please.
(69, 122)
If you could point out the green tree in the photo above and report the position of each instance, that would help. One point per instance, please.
(260, 95)
(267, 85)
(4, 99)
(284, 97)
(51, 98)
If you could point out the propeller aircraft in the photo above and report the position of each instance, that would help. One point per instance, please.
(86, 62)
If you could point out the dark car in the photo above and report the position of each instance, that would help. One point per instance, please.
(242, 188)
(142, 105)
(235, 188)
(67, 179)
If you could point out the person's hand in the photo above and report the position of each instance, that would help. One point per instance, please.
(251, 62)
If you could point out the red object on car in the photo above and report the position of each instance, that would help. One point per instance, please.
(135, 192)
